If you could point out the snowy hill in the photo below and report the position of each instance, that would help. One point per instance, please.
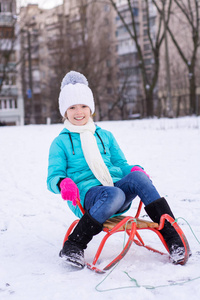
(33, 221)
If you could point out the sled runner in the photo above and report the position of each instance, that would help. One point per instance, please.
(132, 226)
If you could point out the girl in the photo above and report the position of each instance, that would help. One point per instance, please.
(87, 165)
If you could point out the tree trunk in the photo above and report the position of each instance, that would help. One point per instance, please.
(192, 88)
(149, 104)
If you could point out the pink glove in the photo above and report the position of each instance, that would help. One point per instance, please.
(69, 191)
(137, 168)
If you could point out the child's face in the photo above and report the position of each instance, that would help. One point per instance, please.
(78, 114)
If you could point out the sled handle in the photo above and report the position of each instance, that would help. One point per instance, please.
(80, 206)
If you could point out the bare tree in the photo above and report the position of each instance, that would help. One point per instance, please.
(188, 14)
(121, 101)
(85, 45)
(32, 60)
(179, 91)
(155, 41)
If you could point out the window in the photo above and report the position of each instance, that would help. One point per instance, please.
(135, 11)
(144, 17)
(10, 103)
(146, 47)
(145, 32)
(13, 80)
(4, 104)
(130, 71)
(148, 61)
(7, 80)
(152, 22)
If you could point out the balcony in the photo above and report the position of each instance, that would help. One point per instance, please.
(11, 110)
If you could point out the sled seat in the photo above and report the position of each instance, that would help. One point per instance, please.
(131, 226)
(112, 222)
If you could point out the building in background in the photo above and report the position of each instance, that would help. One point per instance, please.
(91, 49)
(89, 37)
(11, 100)
(170, 74)
(127, 52)
(179, 88)
(67, 37)
(129, 73)
(39, 31)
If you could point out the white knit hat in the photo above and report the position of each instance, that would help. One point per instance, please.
(75, 90)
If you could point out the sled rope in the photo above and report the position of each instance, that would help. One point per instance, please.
(135, 221)
(160, 286)
(136, 284)
(188, 226)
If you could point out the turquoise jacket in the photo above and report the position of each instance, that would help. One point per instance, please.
(66, 159)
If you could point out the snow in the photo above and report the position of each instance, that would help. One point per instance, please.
(33, 221)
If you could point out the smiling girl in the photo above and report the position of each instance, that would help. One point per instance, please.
(78, 114)
(86, 164)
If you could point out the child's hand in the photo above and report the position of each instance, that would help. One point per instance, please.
(69, 191)
(137, 168)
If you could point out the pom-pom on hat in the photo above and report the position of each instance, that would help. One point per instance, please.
(75, 90)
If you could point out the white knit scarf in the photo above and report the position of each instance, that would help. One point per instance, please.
(91, 151)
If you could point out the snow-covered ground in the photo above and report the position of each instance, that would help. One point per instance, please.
(33, 221)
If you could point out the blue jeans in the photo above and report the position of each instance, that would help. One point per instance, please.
(104, 201)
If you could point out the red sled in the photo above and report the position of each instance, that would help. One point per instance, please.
(131, 225)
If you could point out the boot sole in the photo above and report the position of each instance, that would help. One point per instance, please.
(72, 262)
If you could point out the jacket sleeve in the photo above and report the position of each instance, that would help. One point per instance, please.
(57, 166)
(117, 157)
